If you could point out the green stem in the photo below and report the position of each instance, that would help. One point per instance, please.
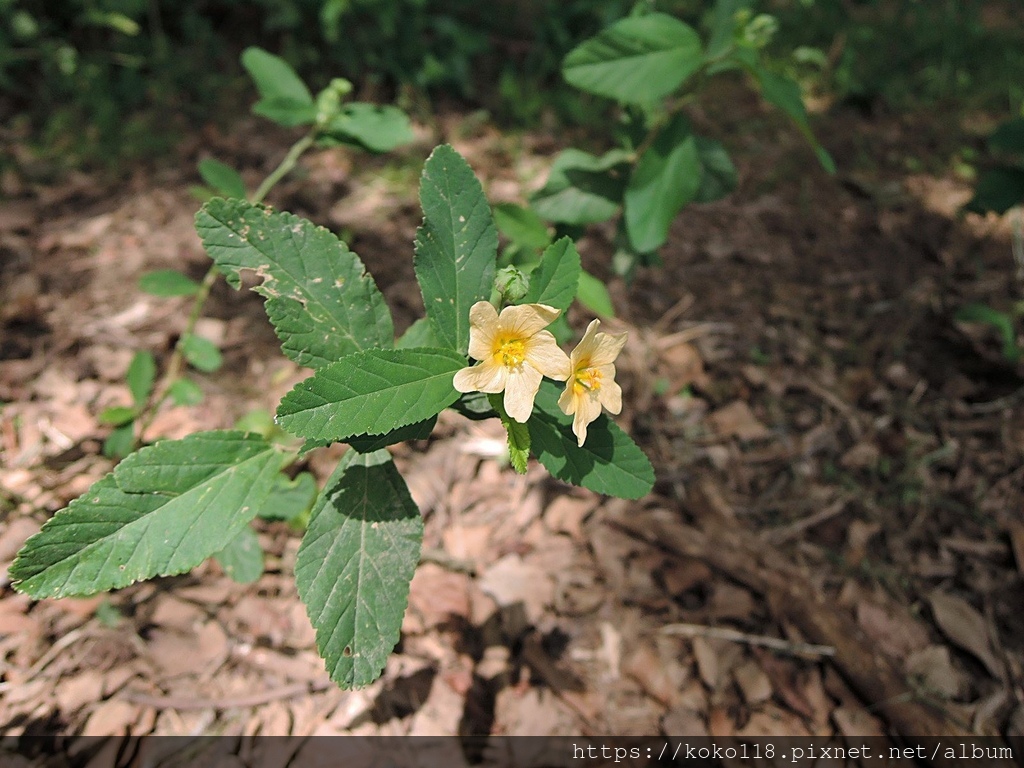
(285, 167)
(176, 363)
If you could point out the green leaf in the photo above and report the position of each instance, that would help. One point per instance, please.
(373, 127)
(518, 435)
(456, 246)
(475, 406)
(609, 462)
(201, 353)
(784, 93)
(166, 283)
(522, 226)
(1000, 321)
(666, 178)
(593, 294)
(242, 559)
(1008, 137)
(320, 300)
(284, 98)
(369, 443)
(289, 497)
(999, 190)
(582, 188)
(419, 334)
(635, 60)
(723, 26)
(718, 174)
(120, 442)
(162, 511)
(355, 563)
(185, 392)
(141, 376)
(371, 392)
(224, 179)
(117, 416)
(555, 281)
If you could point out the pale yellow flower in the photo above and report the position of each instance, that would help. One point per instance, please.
(515, 353)
(591, 384)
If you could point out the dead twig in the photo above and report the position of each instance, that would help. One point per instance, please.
(229, 702)
(735, 636)
(791, 531)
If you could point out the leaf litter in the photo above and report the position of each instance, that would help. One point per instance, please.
(798, 381)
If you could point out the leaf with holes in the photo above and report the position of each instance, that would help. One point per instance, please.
(456, 246)
(355, 563)
(162, 511)
(320, 300)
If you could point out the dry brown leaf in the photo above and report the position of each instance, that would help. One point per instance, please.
(565, 514)
(707, 662)
(933, 668)
(512, 580)
(682, 720)
(532, 712)
(654, 673)
(1016, 532)
(965, 627)
(682, 365)
(856, 721)
(74, 693)
(14, 535)
(737, 420)
(111, 718)
(863, 455)
(441, 712)
(894, 634)
(752, 682)
(730, 602)
(773, 721)
(467, 542)
(436, 595)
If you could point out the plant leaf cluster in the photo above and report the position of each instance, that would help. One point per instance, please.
(169, 506)
(653, 65)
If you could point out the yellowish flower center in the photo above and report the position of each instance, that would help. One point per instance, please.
(587, 378)
(511, 352)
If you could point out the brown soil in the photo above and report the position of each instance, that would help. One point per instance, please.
(835, 540)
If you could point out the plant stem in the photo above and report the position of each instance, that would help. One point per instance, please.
(175, 364)
(285, 167)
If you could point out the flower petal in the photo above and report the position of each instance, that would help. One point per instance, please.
(521, 389)
(597, 348)
(610, 394)
(608, 347)
(544, 354)
(483, 325)
(525, 320)
(485, 377)
(587, 409)
(567, 400)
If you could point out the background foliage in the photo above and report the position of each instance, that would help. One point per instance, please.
(116, 79)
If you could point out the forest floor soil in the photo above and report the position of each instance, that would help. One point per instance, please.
(834, 545)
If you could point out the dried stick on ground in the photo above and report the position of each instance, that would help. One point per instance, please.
(741, 557)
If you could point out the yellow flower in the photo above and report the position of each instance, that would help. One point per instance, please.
(591, 382)
(515, 353)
